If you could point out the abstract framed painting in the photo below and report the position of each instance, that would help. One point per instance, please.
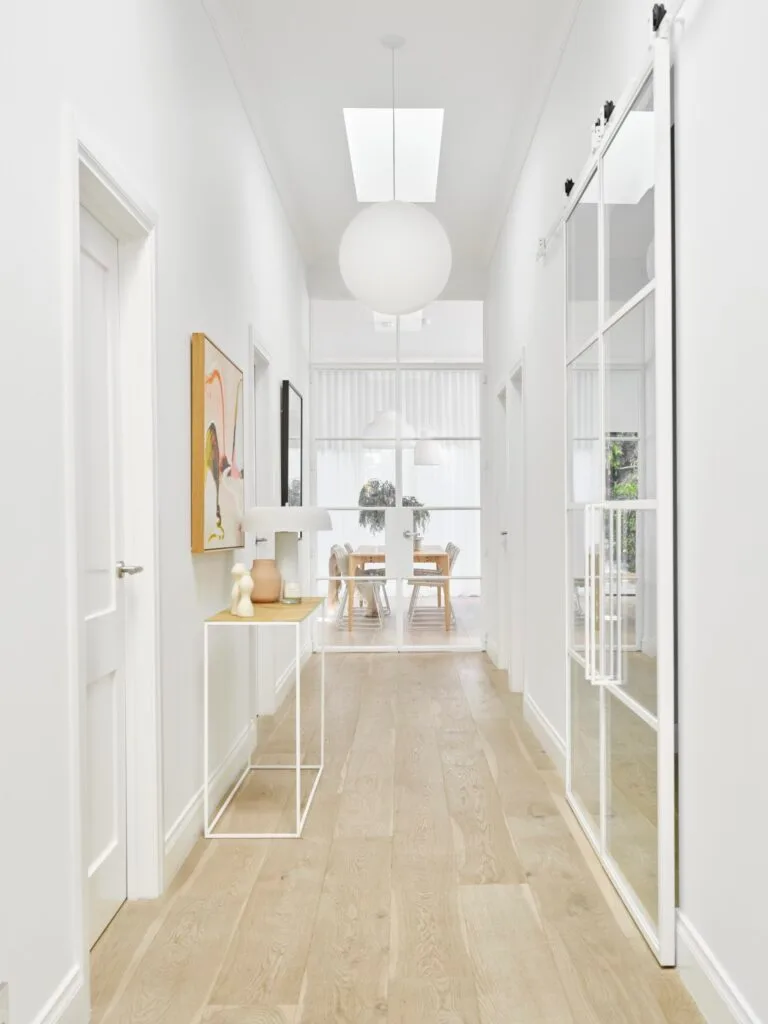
(218, 487)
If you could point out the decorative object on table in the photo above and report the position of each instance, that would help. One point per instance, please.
(394, 256)
(417, 541)
(267, 581)
(218, 489)
(291, 445)
(237, 570)
(376, 495)
(245, 605)
(292, 592)
(286, 522)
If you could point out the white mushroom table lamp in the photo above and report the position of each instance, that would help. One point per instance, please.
(286, 522)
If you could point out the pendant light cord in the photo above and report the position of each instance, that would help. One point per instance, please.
(394, 150)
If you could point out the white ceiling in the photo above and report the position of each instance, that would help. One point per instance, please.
(298, 63)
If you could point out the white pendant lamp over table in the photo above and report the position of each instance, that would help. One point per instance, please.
(395, 257)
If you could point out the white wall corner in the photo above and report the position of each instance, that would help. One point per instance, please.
(713, 991)
(545, 732)
(188, 827)
(69, 1004)
(492, 650)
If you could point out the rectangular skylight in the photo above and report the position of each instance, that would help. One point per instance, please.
(369, 137)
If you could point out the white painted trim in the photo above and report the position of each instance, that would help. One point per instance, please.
(69, 1003)
(188, 827)
(86, 163)
(544, 731)
(708, 982)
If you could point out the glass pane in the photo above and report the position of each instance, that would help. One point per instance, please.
(440, 610)
(442, 403)
(355, 473)
(451, 478)
(371, 621)
(634, 615)
(437, 529)
(582, 262)
(628, 192)
(584, 462)
(353, 403)
(443, 332)
(585, 743)
(96, 438)
(633, 801)
(630, 405)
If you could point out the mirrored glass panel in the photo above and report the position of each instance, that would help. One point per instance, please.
(584, 457)
(582, 264)
(585, 744)
(628, 191)
(632, 812)
(630, 405)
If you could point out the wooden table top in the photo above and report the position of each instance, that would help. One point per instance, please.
(428, 553)
(277, 612)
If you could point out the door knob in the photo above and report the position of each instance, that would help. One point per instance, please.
(408, 534)
(128, 570)
(504, 533)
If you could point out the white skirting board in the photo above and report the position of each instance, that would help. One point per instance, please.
(188, 827)
(718, 999)
(69, 1004)
(545, 732)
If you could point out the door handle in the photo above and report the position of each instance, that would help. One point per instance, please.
(408, 534)
(128, 570)
(504, 533)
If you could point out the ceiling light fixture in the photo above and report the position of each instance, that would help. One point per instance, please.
(395, 257)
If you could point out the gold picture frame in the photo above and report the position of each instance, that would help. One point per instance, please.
(218, 485)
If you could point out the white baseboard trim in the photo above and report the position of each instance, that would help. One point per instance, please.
(545, 732)
(718, 999)
(492, 650)
(188, 827)
(69, 1004)
(284, 684)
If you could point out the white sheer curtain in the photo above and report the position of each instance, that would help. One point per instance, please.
(443, 403)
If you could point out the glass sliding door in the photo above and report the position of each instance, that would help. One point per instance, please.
(620, 510)
(396, 459)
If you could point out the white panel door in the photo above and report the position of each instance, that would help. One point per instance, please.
(100, 588)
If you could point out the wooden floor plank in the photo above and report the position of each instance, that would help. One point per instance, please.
(442, 878)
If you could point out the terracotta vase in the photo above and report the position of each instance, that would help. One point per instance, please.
(266, 581)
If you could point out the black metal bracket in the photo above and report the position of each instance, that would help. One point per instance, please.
(569, 186)
(659, 14)
(608, 108)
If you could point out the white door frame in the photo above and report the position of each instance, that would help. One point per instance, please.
(516, 599)
(91, 178)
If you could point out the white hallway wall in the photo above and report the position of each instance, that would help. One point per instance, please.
(150, 83)
(722, 368)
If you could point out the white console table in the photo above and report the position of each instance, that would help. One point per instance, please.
(277, 615)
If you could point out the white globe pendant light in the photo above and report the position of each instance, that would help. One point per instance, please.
(395, 257)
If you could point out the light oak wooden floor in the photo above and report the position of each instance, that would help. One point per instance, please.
(441, 880)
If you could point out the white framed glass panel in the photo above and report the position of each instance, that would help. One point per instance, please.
(582, 278)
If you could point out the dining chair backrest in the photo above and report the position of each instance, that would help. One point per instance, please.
(342, 559)
(452, 550)
(349, 547)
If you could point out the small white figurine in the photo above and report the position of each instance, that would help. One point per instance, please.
(238, 571)
(244, 604)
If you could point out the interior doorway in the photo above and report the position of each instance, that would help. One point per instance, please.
(112, 536)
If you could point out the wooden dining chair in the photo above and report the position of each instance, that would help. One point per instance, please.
(422, 579)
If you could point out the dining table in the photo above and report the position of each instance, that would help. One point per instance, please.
(427, 554)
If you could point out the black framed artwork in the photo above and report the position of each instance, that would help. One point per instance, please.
(291, 445)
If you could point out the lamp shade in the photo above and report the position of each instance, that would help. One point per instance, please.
(382, 431)
(286, 519)
(428, 452)
(395, 257)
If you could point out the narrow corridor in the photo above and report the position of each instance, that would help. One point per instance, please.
(441, 880)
